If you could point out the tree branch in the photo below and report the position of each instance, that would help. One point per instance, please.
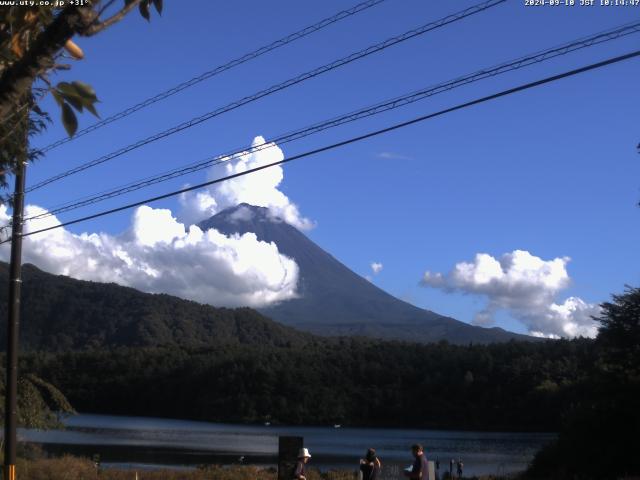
(98, 27)
(16, 80)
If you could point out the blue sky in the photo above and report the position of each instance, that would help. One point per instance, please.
(553, 171)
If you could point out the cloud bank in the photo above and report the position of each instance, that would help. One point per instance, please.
(524, 285)
(158, 254)
(259, 188)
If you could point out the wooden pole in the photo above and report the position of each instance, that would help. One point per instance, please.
(15, 283)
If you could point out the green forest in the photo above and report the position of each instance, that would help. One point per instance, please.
(513, 386)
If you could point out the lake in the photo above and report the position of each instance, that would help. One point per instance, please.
(139, 442)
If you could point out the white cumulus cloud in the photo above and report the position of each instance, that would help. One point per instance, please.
(524, 285)
(376, 267)
(259, 188)
(158, 254)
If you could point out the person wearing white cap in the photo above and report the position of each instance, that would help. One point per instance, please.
(303, 458)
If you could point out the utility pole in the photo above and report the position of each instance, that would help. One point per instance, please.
(15, 282)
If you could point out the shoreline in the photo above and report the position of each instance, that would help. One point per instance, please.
(74, 467)
(147, 440)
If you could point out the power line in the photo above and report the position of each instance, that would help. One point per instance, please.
(217, 70)
(359, 138)
(521, 62)
(276, 88)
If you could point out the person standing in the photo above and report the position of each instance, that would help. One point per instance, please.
(370, 465)
(460, 465)
(420, 469)
(451, 464)
(303, 458)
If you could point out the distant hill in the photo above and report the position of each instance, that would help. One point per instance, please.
(336, 301)
(60, 313)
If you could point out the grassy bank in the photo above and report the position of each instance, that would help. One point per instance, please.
(74, 468)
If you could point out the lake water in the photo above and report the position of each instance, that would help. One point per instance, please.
(138, 442)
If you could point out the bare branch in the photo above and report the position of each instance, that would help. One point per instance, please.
(98, 27)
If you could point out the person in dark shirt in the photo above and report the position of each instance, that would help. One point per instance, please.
(370, 465)
(303, 458)
(420, 469)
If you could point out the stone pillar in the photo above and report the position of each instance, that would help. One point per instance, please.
(288, 448)
(432, 470)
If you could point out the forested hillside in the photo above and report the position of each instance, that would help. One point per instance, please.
(60, 313)
(512, 386)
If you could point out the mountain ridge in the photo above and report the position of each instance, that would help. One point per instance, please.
(60, 313)
(334, 300)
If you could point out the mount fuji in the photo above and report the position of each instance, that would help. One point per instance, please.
(334, 300)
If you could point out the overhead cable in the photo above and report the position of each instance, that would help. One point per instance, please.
(360, 7)
(275, 88)
(343, 143)
(521, 62)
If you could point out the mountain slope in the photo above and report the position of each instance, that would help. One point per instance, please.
(336, 301)
(61, 313)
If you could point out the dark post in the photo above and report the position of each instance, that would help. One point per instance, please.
(288, 448)
(15, 281)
